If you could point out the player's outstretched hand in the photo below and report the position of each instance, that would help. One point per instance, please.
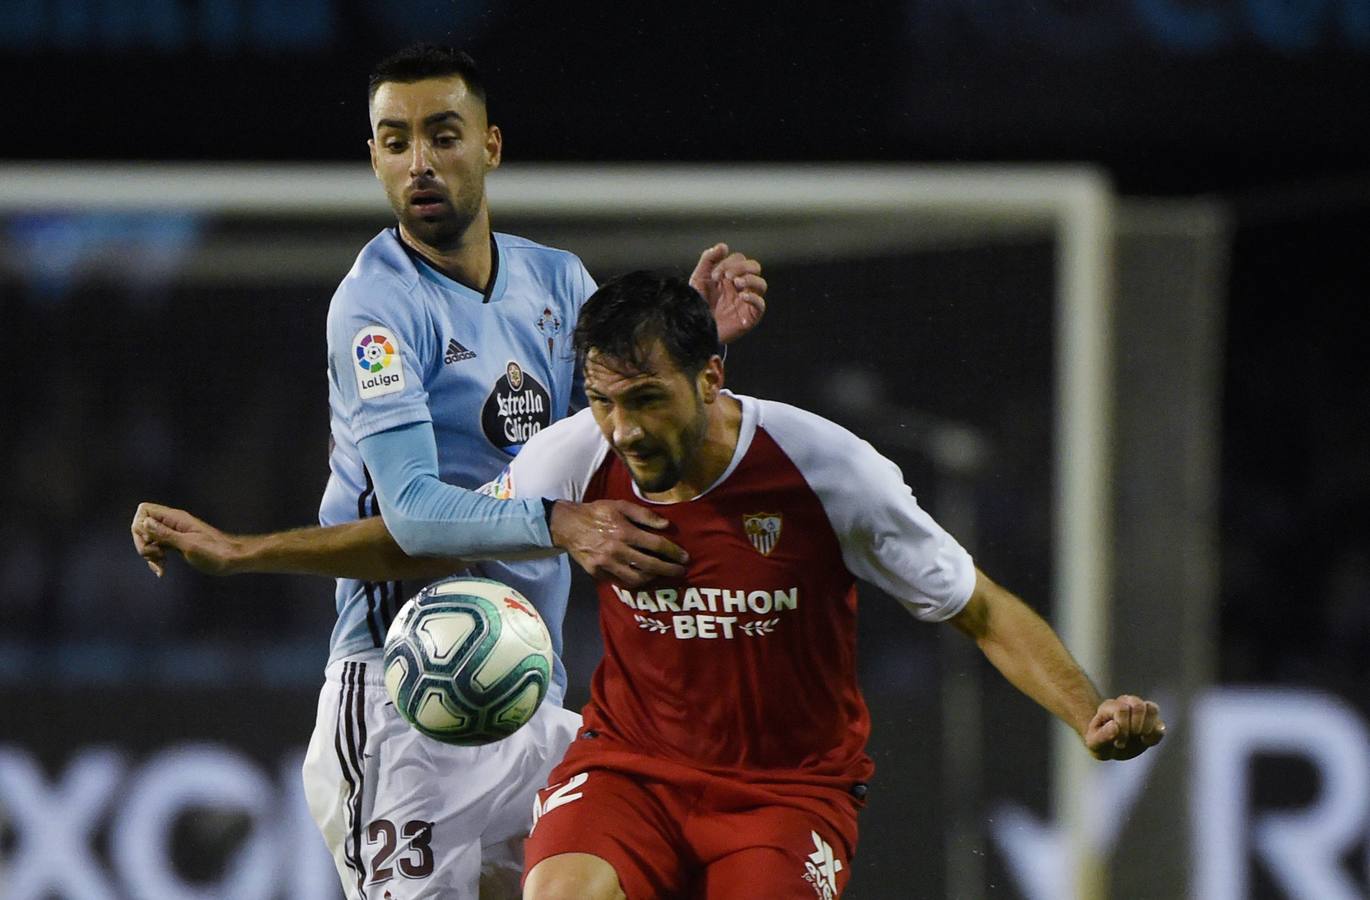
(734, 288)
(151, 551)
(1124, 727)
(617, 540)
(156, 527)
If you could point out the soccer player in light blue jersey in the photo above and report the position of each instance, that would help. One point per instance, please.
(448, 347)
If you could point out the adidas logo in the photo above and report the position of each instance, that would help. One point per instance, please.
(456, 352)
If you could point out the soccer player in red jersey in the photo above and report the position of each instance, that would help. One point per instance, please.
(722, 750)
(722, 753)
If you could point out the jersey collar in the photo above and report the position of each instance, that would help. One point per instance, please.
(746, 430)
(494, 291)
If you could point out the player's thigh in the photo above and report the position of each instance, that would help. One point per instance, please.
(775, 873)
(776, 850)
(401, 815)
(478, 802)
(536, 747)
(573, 876)
(630, 824)
(340, 774)
(456, 811)
(533, 751)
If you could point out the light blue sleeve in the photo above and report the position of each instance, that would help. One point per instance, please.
(376, 339)
(428, 517)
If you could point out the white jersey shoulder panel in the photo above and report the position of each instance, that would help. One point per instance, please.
(886, 537)
(557, 462)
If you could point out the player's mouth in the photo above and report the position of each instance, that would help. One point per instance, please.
(640, 457)
(427, 202)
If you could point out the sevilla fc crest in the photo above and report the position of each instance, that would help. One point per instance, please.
(763, 530)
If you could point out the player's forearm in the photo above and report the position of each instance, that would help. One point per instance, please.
(429, 517)
(1024, 648)
(363, 550)
(433, 518)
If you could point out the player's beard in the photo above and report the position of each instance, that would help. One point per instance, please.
(667, 478)
(674, 465)
(445, 230)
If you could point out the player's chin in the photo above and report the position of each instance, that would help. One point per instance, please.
(436, 227)
(653, 478)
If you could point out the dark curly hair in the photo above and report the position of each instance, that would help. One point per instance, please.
(627, 314)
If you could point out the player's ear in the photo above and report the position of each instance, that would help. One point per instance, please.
(494, 147)
(710, 379)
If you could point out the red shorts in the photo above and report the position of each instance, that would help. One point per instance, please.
(670, 830)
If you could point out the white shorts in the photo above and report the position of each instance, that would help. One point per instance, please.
(406, 816)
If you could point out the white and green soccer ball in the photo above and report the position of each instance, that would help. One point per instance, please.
(467, 661)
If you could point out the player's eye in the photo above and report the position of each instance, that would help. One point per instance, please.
(445, 140)
(395, 146)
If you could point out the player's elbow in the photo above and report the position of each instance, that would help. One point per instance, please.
(411, 531)
(415, 534)
(975, 619)
(408, 533)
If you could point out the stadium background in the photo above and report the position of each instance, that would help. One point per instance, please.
(130, 379)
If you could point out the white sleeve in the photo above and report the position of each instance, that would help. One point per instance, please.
(886, 537)
(556, 463)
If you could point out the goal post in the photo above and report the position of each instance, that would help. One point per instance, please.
(1073, 206)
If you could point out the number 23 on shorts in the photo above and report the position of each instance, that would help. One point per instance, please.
(417, 858)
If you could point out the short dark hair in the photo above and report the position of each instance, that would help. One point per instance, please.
(628, 313)
(421, 61)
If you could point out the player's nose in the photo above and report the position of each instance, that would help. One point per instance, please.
(627, 432)
(418, 160)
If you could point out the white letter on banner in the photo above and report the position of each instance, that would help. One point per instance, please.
(195, 777)
(54, 825)
(1303, 849)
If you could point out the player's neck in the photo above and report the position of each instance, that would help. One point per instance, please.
(470, 262)
(714, 456)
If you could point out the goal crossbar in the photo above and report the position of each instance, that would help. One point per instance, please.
(1074, 205)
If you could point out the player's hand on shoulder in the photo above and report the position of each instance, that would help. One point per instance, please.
(1124, 727)
(156, 527)
(616, 540)
(733, 286)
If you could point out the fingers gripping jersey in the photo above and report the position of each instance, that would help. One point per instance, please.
(406, 344)
(748, 662)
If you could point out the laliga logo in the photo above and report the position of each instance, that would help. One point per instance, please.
(374, 353)
(378, 362)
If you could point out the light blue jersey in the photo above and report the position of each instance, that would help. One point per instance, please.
(407, 345)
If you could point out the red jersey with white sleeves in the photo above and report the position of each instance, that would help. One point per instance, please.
(748, 662)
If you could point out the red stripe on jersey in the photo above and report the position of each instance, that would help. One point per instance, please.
(749, 662)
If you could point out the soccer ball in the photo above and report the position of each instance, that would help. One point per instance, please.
(467, 661)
